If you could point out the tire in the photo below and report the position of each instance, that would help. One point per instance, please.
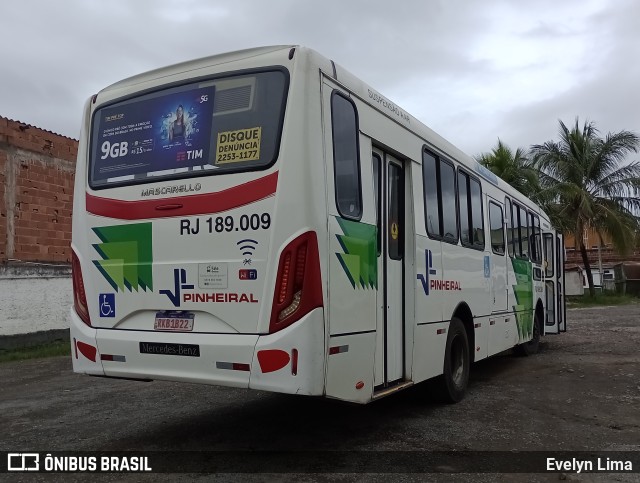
(451, 387)
(530, 348)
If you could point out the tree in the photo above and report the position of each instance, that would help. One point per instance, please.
(585, 183)
(514, 168)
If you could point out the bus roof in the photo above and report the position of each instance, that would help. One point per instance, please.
(342, 76)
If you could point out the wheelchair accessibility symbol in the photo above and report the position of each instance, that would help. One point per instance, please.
(107, 302)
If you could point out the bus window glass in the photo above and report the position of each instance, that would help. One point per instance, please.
(536, 242)
(497, 231)
(463, 203)
(396, 225)
(377, 163)
(509, 227)
(477, 223)
(430, 186)
(524, 234)
(345, 157)
(515, 229)
(448, 189)
(548, 254)
(210, 127)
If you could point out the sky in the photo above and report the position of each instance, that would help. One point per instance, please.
(473, 71)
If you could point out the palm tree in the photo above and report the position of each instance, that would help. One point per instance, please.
(515, 168)
(586, 184)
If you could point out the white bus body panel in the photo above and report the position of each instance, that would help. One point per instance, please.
(341, 349)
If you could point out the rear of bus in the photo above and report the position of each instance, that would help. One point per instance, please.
(196, 247)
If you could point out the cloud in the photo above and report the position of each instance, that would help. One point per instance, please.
(471, 71)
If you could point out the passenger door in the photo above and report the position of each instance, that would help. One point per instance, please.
(498, 268)
(555, 310)
(391, 228)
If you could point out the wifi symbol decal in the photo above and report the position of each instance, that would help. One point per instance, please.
(247, 247)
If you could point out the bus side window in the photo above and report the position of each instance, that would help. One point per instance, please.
(515, 229)
(448, 198)
(470, 206)
(535, 238)
(509, 218)
(477, 220)
(524, 233)
(346, 160)
(377, 164)
(430, 187)
(496, 220)
(439, 184)
(463, 206)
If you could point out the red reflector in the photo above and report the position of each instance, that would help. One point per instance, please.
(359, 385)
(272, 359)
(294, 362)
(441, 331)
(477, 325)
(338, 349)
(87, 350)
(237, 366)
(106, 357)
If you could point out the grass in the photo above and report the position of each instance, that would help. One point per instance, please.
(601, 299)
(55, 348)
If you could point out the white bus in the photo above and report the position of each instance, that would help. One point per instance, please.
(264, 219)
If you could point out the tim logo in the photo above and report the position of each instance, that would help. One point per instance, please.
(181, 156)
(425, 279)
(179, 283)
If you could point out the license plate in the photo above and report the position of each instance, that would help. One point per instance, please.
(168, 349)
(176, 321)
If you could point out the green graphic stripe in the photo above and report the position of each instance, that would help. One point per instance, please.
(127, 256)
(523, 291)
(359, 260)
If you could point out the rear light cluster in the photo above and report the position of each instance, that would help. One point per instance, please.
(79, 295)
(298, 283)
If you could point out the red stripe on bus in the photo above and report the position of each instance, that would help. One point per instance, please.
(224, 200)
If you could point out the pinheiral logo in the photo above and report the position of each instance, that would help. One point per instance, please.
(428, 280)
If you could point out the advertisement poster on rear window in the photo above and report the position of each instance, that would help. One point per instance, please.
(154, 133)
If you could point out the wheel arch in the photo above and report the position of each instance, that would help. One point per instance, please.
(464, 314)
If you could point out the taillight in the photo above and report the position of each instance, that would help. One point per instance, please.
(79, 295)
(298, 283)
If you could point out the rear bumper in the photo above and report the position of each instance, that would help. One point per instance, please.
(236, 360)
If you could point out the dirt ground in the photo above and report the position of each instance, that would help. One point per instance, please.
(580, 393)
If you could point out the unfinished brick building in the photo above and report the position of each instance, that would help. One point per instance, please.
(36, 193)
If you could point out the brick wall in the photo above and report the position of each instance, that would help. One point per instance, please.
(608, 256)
(36, 193)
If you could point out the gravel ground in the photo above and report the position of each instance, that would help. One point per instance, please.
(580, 393)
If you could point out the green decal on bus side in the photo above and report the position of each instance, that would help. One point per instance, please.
(359, 260)
(127, 256)
(523, 290)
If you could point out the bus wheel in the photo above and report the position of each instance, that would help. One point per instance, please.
(531, 347)
(452, 385)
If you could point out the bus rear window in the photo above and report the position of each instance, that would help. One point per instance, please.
(214, 126)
